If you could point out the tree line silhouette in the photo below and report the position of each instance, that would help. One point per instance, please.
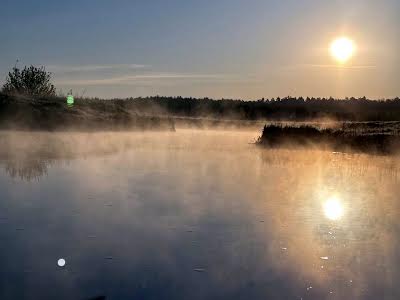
(288, 108)
(279, 109)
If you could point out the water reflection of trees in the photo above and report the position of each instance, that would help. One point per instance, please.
(29, 169)
(27, 156)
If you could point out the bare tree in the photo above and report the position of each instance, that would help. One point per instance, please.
(31, 81)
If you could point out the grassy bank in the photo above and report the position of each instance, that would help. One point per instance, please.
(354, 137)
(24, 113)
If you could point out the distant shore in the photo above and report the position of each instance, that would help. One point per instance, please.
(165, 113)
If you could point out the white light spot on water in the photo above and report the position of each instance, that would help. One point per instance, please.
(199, 270)
(333, 208)
(61, 262)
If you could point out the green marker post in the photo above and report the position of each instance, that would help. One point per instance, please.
(70, 100)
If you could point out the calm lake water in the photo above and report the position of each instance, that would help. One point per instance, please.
(194, 215)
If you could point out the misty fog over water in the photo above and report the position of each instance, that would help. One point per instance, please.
(194, 214)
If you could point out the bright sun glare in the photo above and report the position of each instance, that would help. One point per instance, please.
(333, 208)
(342, 49)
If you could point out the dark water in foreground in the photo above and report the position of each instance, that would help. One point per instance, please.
(194, 215)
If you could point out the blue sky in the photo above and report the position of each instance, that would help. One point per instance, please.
(233, 49)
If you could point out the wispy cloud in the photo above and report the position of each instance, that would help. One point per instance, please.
(129, 75)
(344, 67)
(94, 68)
(135, 79)
(332, 66)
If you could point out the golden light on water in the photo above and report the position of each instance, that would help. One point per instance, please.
(342, 49)
(333, 208)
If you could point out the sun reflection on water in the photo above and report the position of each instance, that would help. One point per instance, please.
(333, 208)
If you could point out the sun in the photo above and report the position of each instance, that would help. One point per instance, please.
(342, 49)
(333, 208)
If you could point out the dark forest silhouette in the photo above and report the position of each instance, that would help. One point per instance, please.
(288, 108)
